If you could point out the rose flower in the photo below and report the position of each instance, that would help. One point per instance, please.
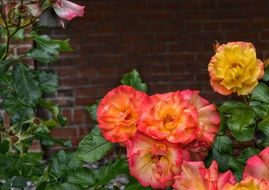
(152, 162)
(118, 113)
(169, 117)
(235, 68)
(195, 176)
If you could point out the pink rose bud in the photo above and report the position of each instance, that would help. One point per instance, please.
(68, 10)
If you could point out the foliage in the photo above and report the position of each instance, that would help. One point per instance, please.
(22, 92)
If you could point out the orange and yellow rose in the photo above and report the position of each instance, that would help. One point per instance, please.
(248, 183)
(257, 166)
(169, 117)
(208, 125)
(118, 113)
(194, 176)
(235, 68)
(152, 162)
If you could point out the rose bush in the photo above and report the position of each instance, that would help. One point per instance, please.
(176, 140)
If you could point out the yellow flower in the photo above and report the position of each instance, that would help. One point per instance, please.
(235, 68)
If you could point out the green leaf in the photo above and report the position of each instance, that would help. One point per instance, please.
(62, 163)
(18, 108)
(19, 35)
(82, 177)
(264, 126)
(222, 159)
(237, 167)
(265, 142)
(133, 79)
(4, 65)
(93, 147)
(247, 153)
(134, 185)
(2, 50)
(4, 147)
(48, 82)
(241, 123)
(229, 106)
(260, 93)
(12, 103)
(92, 109)
(223, 124)
(261, 110)
(19, 182)
(5, 81)
(64, 45)
(46, 4)
(55, 111)
(108, 172)
(26, 84)
(47, 50)
(43, 56)
(6, 185)
(63, 186)
(47, 140)
(223, 144)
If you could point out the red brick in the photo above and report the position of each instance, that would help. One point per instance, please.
(74, 81)
(131, 38)
(64, 132)
(79, 116)
(85, 101)
(84, 131)
(85, 91)
(67, 71)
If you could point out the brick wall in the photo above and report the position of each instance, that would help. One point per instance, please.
(168, 41)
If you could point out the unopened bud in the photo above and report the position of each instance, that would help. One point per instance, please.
(14, 139)
(11, 133)
(37, 121)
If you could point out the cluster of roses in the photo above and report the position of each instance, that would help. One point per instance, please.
(160, 132)
(195, 176)
(168, 135)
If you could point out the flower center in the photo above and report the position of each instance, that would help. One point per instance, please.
(155, 158)
(234, 71)
(168, 119)
(128, 116)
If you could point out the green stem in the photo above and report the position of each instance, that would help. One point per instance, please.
(246, 100)
(8, 33)
(255, 144)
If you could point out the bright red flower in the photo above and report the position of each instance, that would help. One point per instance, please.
(118, 113)
(208, 125)
(169, 117)
(152, 162)
(195, 176)
(257, 166)
(67, 10)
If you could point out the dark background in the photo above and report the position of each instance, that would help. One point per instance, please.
(168, 41)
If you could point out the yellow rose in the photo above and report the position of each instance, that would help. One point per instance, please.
(235, 68)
